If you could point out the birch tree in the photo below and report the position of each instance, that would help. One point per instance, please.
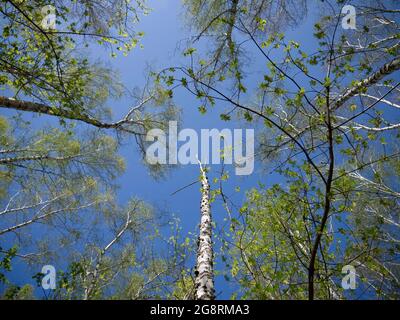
(204, 272)
(47, 71)
(57, 179)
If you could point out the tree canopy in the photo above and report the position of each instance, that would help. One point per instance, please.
(324, 107)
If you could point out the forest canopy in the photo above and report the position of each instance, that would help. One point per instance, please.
(316, 81)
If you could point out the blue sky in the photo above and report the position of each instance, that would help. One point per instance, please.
(164, 32)
(163, 44)
(162, 47)
(165, 35)
(164, 40)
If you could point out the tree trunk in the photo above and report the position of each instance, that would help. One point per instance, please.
(204, 282)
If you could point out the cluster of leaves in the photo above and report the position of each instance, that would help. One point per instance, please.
(5, 262)
(49, 64)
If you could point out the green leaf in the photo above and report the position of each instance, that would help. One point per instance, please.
(202, 109)
(225, 117)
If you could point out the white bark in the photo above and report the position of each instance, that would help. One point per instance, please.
(122, 125)
(204, 282)
(93, 276)
(385, 70)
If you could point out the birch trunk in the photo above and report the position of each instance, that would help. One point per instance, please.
(204, 282)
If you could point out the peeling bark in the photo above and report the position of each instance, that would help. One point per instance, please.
(204, 282)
